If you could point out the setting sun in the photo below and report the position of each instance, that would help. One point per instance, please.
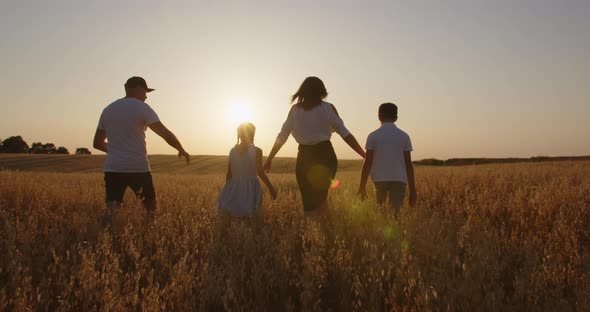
(239, 110)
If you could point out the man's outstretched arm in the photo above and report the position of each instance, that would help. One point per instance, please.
(100, 140)
(170, 138)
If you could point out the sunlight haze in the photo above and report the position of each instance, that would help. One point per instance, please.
(470, 78)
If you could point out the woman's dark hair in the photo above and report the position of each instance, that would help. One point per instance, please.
(311, 92)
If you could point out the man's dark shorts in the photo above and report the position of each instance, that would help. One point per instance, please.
(117, 182)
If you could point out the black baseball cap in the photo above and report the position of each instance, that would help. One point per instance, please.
(136, 81)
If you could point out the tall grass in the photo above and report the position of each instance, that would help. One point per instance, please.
(497, 237)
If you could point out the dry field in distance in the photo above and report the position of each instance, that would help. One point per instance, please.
(489, 237)
(169, 164)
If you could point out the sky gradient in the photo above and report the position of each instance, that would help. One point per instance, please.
(471, 78)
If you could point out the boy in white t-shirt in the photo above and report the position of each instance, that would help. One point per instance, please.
(389, 162)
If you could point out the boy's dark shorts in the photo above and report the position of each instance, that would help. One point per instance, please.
(395, 190)
(117, 182)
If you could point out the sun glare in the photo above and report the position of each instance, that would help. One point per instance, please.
(239, 111)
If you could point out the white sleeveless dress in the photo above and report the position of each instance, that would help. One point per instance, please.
(242, 194)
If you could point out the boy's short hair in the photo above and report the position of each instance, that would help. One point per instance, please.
(388, 110)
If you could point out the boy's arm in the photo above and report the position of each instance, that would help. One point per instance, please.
(410, 174)
(367, 164)
(262, 174)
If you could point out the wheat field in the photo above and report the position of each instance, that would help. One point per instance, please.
(487, 238)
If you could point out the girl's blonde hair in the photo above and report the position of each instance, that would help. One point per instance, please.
(246, 133)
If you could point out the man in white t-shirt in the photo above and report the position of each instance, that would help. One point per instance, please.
(389, 161)
(121, 134)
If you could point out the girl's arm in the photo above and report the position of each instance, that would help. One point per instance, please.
(262, 174)
(228, 175)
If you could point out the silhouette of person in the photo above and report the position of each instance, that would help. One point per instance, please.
(121, 135)
(311, 121)
(389, 162)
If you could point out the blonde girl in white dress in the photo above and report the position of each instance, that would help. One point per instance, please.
(242, 194)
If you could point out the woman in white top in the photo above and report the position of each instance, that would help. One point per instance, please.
(312, 121)
(242, 195)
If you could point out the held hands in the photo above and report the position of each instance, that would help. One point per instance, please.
(184, 154)
(267, 164)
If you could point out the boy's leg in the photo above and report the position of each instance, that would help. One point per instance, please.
(397, 192)
(115, 186)
(380, 193)
(389, 193)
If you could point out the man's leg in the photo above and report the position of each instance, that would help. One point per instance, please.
(115, 186)
(143, 187)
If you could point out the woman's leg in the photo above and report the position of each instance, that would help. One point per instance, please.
(301, 170)
(315, 170)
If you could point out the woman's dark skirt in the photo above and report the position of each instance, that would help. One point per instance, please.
(315, 170)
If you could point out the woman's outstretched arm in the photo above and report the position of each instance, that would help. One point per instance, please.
(275, 149)
(354, 144)
(280, 141)
(263, 176)
(338, 125)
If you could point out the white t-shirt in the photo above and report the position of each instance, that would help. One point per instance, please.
(389, 144)
(312, 126)
(125, 122)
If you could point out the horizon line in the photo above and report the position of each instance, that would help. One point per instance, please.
(294, 157)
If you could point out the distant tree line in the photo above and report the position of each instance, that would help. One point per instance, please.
(482, 161)
(17, 145)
